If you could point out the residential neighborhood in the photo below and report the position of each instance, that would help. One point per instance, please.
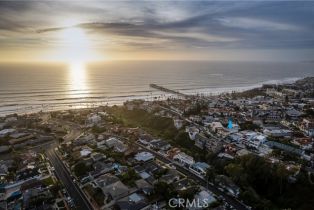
(157, 154)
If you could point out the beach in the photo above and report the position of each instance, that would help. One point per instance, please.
(52, 87)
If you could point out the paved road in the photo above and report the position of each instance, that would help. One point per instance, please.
(232, 201)
(75, 192)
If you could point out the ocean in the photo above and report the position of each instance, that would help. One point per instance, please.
(30, 87)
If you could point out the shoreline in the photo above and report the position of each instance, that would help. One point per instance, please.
(36, 108)
(217, 91)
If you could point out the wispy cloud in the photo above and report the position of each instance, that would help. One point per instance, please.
(257, 24)
(155, 26)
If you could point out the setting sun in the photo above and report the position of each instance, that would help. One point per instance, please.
(156, 104)
(76, 45)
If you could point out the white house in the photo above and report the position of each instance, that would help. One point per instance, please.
(86, 151)
(144, 156)
(277, 132)
(184, 159)
(216, 125)
(253, 139)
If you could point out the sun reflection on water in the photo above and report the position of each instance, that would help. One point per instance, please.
(77, 77)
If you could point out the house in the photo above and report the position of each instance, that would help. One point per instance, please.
(192, 131)
(85, 151)
(134, 201)
(84, 139)
(257, 141)
(199, 168)
(160, 145)
(293, 114)
(200, 140)
(115, 143)
(235, 137)
(97, 156)
(145, 139)
(252, 139)
(184, 159)
(210, 144)
(204, 198)
(105, 180)
(276, 131)
(225, 155)
(144, 156)
(144, 186)
(170, 177)
(116, 190)
(144, 175)
(101, 145)
(172, 152)
(216, 126)
(101, 168)
(147, 170)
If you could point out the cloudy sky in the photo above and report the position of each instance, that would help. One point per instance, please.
(156, 30)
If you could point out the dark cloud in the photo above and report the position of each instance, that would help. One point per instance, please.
(183, 24)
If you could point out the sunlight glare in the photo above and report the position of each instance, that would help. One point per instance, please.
(77, 78)
(76, 45)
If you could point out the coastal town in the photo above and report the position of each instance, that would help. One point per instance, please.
(236, 150)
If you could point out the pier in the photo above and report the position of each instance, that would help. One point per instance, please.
(167, 90)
